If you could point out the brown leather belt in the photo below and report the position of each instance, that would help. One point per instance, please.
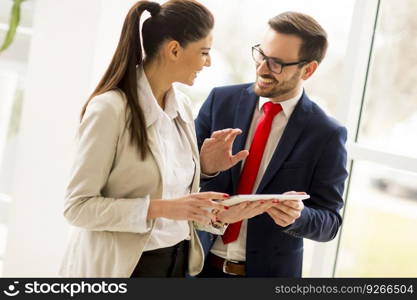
(229, 267)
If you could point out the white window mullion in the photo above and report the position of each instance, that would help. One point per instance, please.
(358, 57)
(349, 107)
(396, 161)
(356, 65)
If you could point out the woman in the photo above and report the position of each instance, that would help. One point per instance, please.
(132, 194)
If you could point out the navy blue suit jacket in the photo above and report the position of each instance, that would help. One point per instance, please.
(310, 157)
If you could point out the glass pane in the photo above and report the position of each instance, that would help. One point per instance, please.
(237, 30)
(390, 113)
(378, 236)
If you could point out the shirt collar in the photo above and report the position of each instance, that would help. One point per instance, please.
(150, 106)
(288, 106)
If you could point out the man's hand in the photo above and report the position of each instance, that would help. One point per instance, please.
(285, 213)
(244, 210)
(216, 151)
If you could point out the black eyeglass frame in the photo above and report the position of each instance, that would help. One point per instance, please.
(275, 60)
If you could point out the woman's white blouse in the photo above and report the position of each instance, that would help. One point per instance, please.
(178, 168)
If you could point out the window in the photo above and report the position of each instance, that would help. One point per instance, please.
(378, 238)
(379, 225)
(389, 119)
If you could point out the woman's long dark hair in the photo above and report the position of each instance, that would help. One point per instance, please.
(181, 20)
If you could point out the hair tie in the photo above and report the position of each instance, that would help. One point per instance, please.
(154, 8)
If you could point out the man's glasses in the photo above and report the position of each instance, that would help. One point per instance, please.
(274, 64)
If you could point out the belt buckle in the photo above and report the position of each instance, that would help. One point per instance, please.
(225, 265)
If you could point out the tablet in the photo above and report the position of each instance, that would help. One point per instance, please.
(242, 198)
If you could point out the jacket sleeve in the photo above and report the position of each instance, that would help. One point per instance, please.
(85, 206)
(320, 218)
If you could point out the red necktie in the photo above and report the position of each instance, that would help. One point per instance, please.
(251, 167)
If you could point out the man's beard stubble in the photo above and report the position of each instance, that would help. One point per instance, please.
(281, 89)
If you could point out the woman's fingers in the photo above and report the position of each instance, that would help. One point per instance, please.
(211, 195)
(200, 219)
(239, 156)
(226, 135)
(208, 141)
(221, 134)
(257, 208)
(205, 199)
(203, 212)
(284, 212)
(232, 134)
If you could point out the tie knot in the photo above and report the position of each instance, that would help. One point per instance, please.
(271, 109)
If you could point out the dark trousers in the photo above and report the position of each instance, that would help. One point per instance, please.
(164, 262)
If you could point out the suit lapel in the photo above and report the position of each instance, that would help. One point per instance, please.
(242, 119)
(292, 132)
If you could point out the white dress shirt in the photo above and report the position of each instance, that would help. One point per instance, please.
(178, 165)
(237, 250)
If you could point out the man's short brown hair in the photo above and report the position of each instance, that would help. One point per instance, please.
(314, 37)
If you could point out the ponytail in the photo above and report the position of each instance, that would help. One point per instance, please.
(121, 73)
(182, 20)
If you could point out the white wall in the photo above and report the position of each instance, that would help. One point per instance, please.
(8, 83)
(72, 45)
(58, 81)
(110, 25)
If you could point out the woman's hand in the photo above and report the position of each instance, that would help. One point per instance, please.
(244, 210)
(196, 207)
(216, 151)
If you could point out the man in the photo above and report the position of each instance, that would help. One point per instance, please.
(293, 146)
